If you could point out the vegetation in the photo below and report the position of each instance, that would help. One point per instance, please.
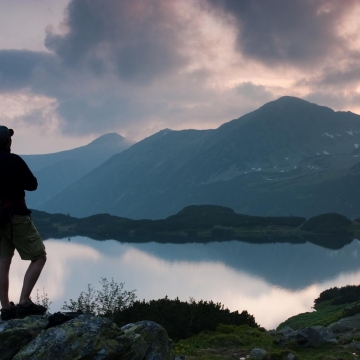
(203, 223)
(207, 331)
(344, 295)
(335, 224)
(325, 315)
(183, 319)
(230, 342)
(331, 305)
(105, 302)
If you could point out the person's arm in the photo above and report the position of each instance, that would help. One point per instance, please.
(25, 177)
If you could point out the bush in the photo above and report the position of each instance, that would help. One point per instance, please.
(327, 224)
(338, 296)
(105, 302)
(183, 319)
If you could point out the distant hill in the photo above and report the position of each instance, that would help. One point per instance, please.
(289, 157)
(203, 223)
(57, 171)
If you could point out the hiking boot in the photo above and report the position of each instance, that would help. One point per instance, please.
(29, 308)
(8, 314)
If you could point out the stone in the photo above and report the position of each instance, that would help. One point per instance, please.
(17, 333)
(309, 337)
(86, 337)
(346, 324)
(346, 338)
(355, 345)
(290, 356)
(285, 330)
(258, 354)
(156, 337)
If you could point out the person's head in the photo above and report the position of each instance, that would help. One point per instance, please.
(5, 137)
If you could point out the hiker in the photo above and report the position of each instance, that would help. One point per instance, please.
(18, 231)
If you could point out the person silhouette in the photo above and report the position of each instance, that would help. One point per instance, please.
(18, 232)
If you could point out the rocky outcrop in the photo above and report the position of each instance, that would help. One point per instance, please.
(15, 334)
(346, 324)
(154, 336)
(85, 337)
(258, 354)
(314, 336)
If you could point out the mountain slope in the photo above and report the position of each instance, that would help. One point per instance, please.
(57, 171)
(272, 161)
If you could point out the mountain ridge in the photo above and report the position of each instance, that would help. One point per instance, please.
(281, 150)
(56, 171)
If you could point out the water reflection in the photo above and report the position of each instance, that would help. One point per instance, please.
(271, 281)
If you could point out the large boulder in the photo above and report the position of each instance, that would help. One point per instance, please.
(155, 336)
(90, 337)
(258, 354)
(15, 334)
(346, 324)
(309, 337)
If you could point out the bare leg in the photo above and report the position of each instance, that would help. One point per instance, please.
(4, 282)
(31, 277)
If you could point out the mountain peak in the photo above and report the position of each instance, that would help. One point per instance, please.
(112, 137)
(294, 103)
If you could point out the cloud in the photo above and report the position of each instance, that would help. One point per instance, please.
(142, 65)
(339, 100)
(138, 38)
(297, 32)
(17, 67)
(339, 76)
(251, 91)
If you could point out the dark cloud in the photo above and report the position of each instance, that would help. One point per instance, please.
(140, 39)
(17, 68)
(296, 32)
(348, 76)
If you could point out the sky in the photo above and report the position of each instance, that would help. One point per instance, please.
(72, 70)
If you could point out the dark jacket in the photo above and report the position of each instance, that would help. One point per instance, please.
(15, 178)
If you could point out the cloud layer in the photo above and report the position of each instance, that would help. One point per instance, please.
(139, 66)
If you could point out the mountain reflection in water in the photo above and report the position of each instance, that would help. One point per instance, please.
(271, 281)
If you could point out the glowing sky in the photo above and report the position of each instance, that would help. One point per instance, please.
(73, 70)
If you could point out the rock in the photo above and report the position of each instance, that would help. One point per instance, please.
(290, 356)
(15, 334)
(309, 337)
(355, 345)
(84, 337)
(346, 324)
(257, 353)
(156, 337)
(90, 337)
(285, 330)
(346, 338)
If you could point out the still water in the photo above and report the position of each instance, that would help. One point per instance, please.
(270, 281)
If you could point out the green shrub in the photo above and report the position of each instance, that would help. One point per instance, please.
(183, 319)
(105, 302)
(327, 224)
(343, 295)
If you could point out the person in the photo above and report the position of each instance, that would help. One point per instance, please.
(19, 232)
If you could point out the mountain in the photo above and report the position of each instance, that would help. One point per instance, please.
(289, 157)
(57, 171)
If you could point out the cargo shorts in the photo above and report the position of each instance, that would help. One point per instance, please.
(26, 239)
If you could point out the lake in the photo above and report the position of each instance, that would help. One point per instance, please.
(270, 281)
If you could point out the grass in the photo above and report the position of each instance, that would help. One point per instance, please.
(231, 342)
(325, 315)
